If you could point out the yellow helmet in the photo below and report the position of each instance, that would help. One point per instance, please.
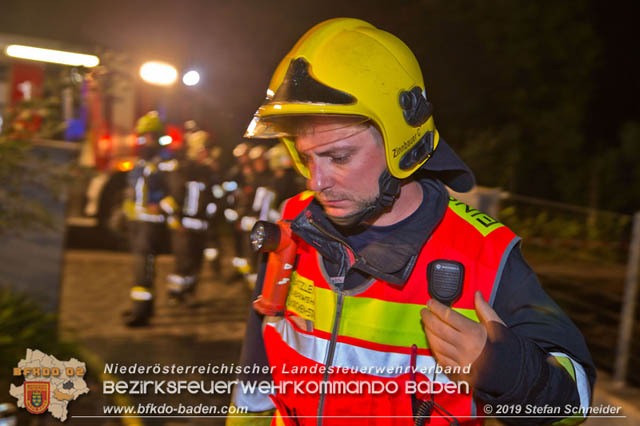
(257, 152)
(348, 67)
(196, 144)
(278, 157)
(241, 150)
(150, 123)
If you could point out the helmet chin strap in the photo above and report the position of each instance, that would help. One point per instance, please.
(389, 190)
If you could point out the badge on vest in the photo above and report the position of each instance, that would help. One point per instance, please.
(301, 298)
(445, 279)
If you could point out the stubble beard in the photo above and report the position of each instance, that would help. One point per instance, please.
(360, 205)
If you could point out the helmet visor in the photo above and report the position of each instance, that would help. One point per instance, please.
(294, 126)
(325, 129)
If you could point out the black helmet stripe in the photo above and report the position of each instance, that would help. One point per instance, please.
(299, 86)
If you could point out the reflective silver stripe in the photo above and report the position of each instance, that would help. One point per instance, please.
(581, 382)
(503, 261)
(146, 217)
(247, 222)
(230, 186)
(193, 197)
(256, 401)
(182, 280)
(179, 283)
(273, 216)
(139, 189)
(261, 192)
(231, 215)
(211, 253)
(368, 361)
(175, 278)
(239, 262)
(192, 223)
(166, 206)
(168, 166)
(211, 209)
(217, 191)
(140, 295)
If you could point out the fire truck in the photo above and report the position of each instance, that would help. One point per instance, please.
(96, 108)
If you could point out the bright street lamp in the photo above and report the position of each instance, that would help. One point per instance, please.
(159, 73)
(53, 56)
(191, 78)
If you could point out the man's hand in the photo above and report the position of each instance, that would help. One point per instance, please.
(455, 340)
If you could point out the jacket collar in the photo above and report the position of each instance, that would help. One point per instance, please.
(391, 258)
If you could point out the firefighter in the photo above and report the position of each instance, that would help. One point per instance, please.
(392, 277)
(146, 188)
(286, 182)
(239, 189)
(189, 206)
(215, 211)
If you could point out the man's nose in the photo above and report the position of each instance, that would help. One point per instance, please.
(320, 179)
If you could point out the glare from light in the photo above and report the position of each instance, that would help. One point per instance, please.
(217, 191)
(231, 215)
(191, 78)
(53, 56)
(252, 127)
(125, 166)
(159, 73)
(230, 186)
(165, 140)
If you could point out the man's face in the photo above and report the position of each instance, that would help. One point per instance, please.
(345, 164)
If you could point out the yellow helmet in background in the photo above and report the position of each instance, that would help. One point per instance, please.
(196, 144)
(347, 67)
(241, 150)
(257, 152)
(150, 123)
(279, 157)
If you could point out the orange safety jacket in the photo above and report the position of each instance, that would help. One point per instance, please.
(344, 356)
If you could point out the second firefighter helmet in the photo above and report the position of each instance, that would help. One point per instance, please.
(196, 144)
(149, 129)
(279, 158)
(241, 150)
(150, 123)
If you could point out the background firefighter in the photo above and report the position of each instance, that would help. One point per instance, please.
(146, 188)
(189, 206)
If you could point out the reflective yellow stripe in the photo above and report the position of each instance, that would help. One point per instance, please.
(570, 421)
(326, 301)
(566, 363)
(373, 320)
(484, 223)
(578, 375)
(169, 204)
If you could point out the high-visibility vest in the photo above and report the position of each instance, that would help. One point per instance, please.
(346, 355)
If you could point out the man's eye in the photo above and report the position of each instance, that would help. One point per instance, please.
(341, 160)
